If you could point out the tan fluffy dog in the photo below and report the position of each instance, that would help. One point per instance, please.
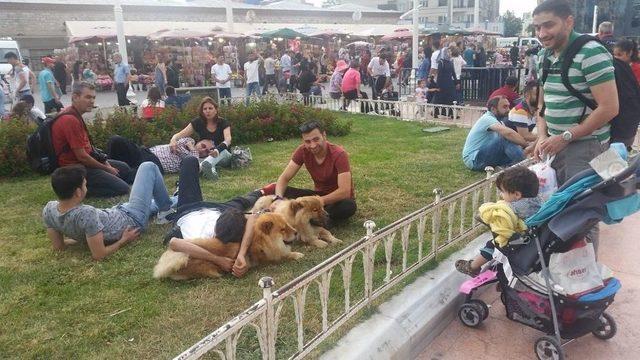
(271, 238)
(306, 214)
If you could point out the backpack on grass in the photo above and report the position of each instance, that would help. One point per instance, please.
(623, 125)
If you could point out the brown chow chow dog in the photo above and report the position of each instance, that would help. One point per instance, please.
(271, 238)
(306, 214)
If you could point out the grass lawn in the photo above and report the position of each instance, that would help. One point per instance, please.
(64, 305)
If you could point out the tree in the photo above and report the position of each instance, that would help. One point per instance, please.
(512, 24)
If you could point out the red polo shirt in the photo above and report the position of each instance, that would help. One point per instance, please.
(324, 175)
(68, 133)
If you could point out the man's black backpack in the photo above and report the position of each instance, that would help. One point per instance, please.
(625, 124)
(40, 152)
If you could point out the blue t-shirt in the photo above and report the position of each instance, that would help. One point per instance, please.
(121, 73)
(468, 56)
(479, 135)
(46, 76)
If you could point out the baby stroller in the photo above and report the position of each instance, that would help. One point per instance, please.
(564, 220)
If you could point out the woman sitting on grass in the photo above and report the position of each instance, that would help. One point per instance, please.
(209, 126)
(153, 105)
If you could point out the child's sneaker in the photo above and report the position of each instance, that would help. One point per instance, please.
(464, 266)
(162, 217)
(208, 171)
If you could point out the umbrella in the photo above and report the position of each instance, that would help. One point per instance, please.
(232, 36)
(283, 33)
(182, 33)
(482, 32)
(360, 44)
(398, 35)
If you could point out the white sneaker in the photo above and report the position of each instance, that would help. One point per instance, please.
(208, 171)
(161, 218)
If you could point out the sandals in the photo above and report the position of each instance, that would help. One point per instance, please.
(464, 266)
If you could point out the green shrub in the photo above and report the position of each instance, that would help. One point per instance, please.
(250, 124)
(13, 140)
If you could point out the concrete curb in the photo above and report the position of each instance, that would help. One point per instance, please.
(408, 322)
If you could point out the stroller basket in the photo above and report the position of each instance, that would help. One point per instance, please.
(576, 318)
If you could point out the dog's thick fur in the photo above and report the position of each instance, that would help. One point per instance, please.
(271, 238)
(306, 214)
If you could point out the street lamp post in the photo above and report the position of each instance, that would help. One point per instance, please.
(416, 30)
(122, 42)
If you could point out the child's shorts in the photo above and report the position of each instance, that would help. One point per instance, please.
(487, 251)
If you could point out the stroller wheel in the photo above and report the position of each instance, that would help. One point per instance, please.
(470, 314)
(481, 305)
(548, 348)
(607, 329)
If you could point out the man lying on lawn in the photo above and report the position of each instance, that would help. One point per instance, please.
(104, 230)
(328, 165)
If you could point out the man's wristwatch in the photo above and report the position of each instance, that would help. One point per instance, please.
(567, 136)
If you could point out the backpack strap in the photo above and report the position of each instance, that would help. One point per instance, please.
(546, 64)
(569, 55)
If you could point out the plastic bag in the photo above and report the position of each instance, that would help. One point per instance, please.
(576, 270)
(240, 157)
(546, 178)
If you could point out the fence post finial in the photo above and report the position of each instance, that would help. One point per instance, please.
(438, 193)
(370, 226)
(266, 283)
(489, 170)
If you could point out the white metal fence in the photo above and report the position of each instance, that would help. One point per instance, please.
(418, 237)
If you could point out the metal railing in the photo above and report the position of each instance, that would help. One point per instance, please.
(420, 236)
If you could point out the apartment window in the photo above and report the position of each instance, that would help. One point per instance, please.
(469, 18)
(443, 2)
(471, 3)
(424, 3)
(458, 4)
(442, 19)
(422, 20)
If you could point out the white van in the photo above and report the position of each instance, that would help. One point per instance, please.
(7, 45)
(505, 42)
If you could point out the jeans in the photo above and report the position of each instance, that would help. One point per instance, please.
(23, 93)
(190, 193)
(121, 91)
(51, 105)
(104, 184)
(252, 88)
(340, 210)
(148, 194)
(123, 149)
(498, 152)
(223, 159)
(224, 93)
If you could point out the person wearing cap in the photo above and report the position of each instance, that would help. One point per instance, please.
(36, 115)
(48, 86)
(121, 76)
(335, 84)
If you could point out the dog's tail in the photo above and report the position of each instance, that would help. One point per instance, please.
(170, 262)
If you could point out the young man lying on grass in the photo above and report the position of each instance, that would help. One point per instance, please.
(104, 230)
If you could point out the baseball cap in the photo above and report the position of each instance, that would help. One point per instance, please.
(48, 60)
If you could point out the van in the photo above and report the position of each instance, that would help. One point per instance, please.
(7, 45)
(506, 42)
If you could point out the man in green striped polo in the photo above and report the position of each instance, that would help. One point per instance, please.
(563, 131)
(569, 129)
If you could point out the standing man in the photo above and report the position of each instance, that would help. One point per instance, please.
(20, 75)
(121, 76)
(569, 129)
(221, 74)
(514, 54)
(328, 165)
(252, 76)
(380, 74)
(60, 73)
(269, 72)
(49, 91)
(285, 65)
(72, 144)
(434, 59)
(605, 34)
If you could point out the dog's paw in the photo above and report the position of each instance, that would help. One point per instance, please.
(336, 241)
(296, 255)
(318, 243)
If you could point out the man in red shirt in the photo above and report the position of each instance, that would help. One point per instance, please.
(508, 91)
(328, 165)
(73, 146)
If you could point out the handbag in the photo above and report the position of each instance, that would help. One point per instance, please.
(240, 157)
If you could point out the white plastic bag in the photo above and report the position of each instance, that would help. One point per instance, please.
(576, 270)
(546, 177)
(131, 95)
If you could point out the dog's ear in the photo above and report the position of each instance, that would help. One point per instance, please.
(266, 227)
(295, 206)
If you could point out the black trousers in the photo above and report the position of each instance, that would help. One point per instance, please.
(125, 150)
(104, 184)
(121, 91)
(340, 210)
